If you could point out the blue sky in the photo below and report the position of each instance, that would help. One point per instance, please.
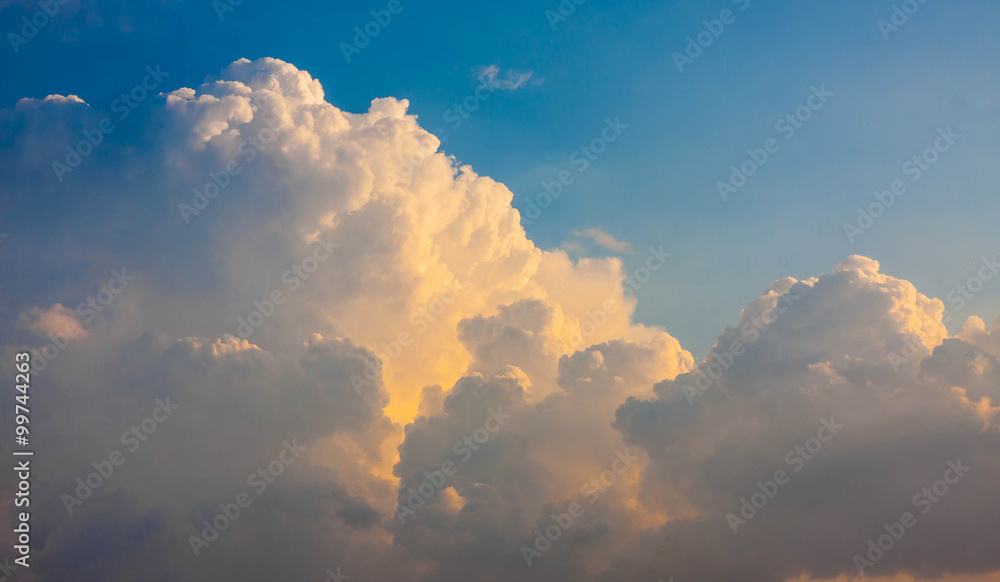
(657, 184)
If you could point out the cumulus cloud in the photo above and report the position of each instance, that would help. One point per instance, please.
(57, 320)
(975, 332)
(299, 279)
(235, 408)
(805, 352)
(28, 103)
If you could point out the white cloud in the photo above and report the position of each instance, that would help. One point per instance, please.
(601, 238)
(28, 103)
(511, 80)
(434, 273)
(975, 332)
(826, 354)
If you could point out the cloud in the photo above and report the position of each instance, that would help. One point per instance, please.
(378, 316)
(975, 332)
(825, 355)
(55, 321)
(27, 103)
(489, 75)
(600, 238)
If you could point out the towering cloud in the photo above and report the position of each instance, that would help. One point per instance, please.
(274, 338)
(833, 381)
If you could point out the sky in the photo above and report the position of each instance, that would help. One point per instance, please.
(689, 237)
(658, 184)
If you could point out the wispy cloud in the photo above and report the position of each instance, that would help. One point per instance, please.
(511, 80)
(600, 238)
